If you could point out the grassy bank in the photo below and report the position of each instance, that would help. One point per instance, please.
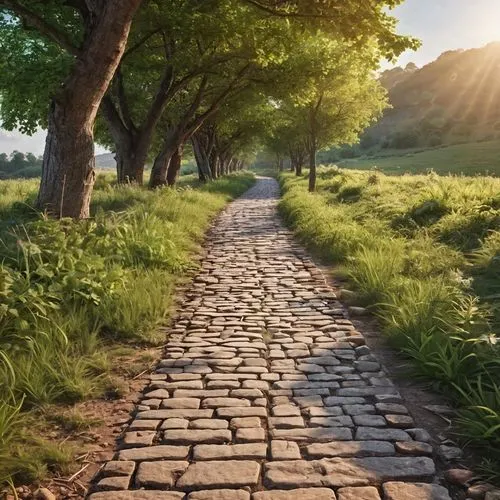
(478, 158)
(72, 293)
(423, 252)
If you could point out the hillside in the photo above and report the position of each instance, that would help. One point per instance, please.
(481, 158)
(105, 161)
(454, 99)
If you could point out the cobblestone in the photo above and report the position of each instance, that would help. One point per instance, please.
(265, 390)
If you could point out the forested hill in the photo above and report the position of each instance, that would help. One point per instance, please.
(456, 98)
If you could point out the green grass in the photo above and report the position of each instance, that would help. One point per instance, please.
(481, 158)
(423, 252)
(71, 292)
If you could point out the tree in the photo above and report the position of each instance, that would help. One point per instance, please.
(234, 135)
(94, 33)
(4, 162)
(17, 160)
(338, 100)
(209, 54)
(168, 50)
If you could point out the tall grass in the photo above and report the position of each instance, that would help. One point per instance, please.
(424, 253)
(69, 291)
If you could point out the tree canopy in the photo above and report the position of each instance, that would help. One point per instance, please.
(176, 69)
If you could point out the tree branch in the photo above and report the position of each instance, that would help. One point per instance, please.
(140, 42)
(51, 32)
(280, 13)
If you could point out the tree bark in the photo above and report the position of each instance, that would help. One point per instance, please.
(300, 160)
(293, 164)
(214, 164)
(131, 144)
(174, 167)
(312, 169)
(161, 165)
(201, 152)
(68, 170)
(130, 161)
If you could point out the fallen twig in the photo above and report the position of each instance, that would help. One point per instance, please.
(76, 474)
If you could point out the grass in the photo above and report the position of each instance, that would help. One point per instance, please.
(75, 296)
(481, 158)
(423, 253)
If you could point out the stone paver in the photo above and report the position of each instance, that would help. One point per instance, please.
(266, 391)
(417, 491)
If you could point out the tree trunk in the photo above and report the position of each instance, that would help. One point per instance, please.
(298, 169)
(68, 170)
(174, 167)
(160, 168)
(132, 142)
(171, 144)
(131, 159)
(214, 164)
(202, 159)
(312, 169)
(300, 161)
(222, 165)
(131, 145)
(293, 160)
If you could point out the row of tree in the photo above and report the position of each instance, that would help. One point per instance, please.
(18, 164)
(148, 78)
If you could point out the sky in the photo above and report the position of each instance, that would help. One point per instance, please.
(441, 25)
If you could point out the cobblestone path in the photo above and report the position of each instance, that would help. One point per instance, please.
(266, 391)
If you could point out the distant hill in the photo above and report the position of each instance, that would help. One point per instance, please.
(105, 161)
(454, 99)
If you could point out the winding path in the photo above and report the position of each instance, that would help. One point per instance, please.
(266, 391)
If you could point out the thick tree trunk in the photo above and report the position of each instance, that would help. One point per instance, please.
(160, 168)
(298, 169)
(68, 169)
(131, 145)
(173, 140)
(312, 169)
(131, 156)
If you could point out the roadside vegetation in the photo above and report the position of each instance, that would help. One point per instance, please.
(423, 253)
(73, 294)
